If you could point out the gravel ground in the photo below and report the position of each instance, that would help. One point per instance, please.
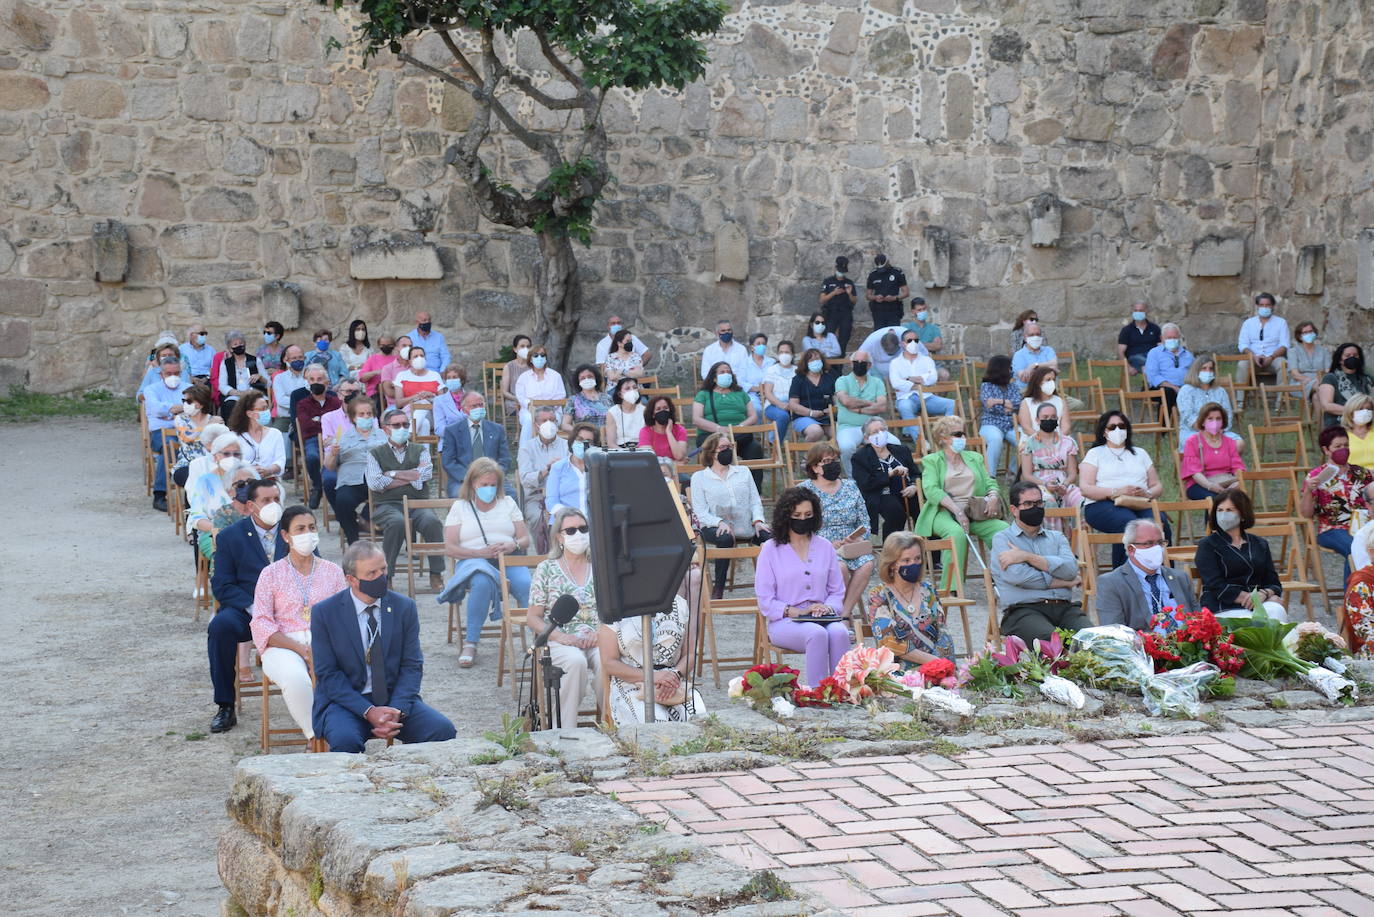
(116, 791)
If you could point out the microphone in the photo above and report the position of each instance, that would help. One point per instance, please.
(564, 609)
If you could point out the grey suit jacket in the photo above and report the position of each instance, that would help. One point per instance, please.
(1121, 596)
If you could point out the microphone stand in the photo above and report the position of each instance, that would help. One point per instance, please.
(647, 626)
(551, 676)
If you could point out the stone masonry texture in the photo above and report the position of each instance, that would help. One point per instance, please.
(236, 151)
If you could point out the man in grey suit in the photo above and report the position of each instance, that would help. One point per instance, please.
(1140, 587)
(470, 438)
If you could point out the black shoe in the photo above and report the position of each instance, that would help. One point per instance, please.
(225, 720)
(314, 499)
(160, 502)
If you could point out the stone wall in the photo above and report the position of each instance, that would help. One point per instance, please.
(165, 161)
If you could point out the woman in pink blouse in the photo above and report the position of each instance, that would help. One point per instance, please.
(797, 576)
(1210, 462)
(286, 592)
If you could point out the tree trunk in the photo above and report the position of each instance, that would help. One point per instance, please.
(560, 298)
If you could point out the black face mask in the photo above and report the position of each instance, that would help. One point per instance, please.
(861, 368)
(425, 326)
(1049, 424)
(388, 348)
(726, 457)
(373, 588)
(802, 526)
(1033, 516)
(628, 346)
(726, 337)
(831, 471)
(910, 573)
(1351, 363)
(317, 388)
(238, 350)
(662, 417)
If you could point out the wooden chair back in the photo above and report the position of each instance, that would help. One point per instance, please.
(1269, 435)
(513, 618)
(1103, 371)
(730, 605)
(1285, 404)
(417, 551)
(953, 593)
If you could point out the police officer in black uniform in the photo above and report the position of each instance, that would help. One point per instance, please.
(838, 297)
(887, 291)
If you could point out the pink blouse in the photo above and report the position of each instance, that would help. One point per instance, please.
(1198, 456)
(782, 578)
(283, 598)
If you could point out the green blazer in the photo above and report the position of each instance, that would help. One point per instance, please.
(933, 468)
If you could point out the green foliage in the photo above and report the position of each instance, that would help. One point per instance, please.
(507, 792)
(565, 182)
(316, 885)
(512, 737)
(1222, 687)
(766, 886)
(986, 675)
(22, 406)
(1261, 637)
(1086, 668)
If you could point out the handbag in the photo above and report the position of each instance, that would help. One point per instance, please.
(1132, 502)
(672, 700)
(854, 550)
(978, 507)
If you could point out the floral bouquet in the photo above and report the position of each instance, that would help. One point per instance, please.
(1004, 670)
(767, 685)
(1313, 643)
(1178, 639)
(1122, 654)
(937, 683)
(826, 694)
(865, 672)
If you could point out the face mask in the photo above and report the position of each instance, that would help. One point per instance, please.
(388, 348)
(726, 337)
(802, 526)
(586, 384)
(662, 417)
(1264, 311)
(1172, 344)
(229, 461)
(958, 444)
(579, 449)
(405, 352)
(547, 429)
(861, 368)
(359, 333)
(785, 359)
(922, 316)
(831, 471)
(1034, 341)
(270, 514)
(486, 493)
(425, 326)
(373, 588)
(818, 328)
(760, 349)
(172, 382)
(616, 328)
(1363, 417)
(365, 424)
(1137, 316)
(1309, 336)
(321, 346)
(1340, 456)
(265, 418)
(1206, 378)
(1212, 426)
(305, 542)
(725, 380)
(297, 365)
(878, 440)
(1049, 424)
(418, 364)
(1227, 520)
(400, 436)
(238, 350)
(268, 337)
(1116, 437)
(1351, 363)
(539, 361)
(913, 347)
(1033, 516)
(1151, 558)
(1047, 387)
(910, 573)
(726, 456)
(577, 543)
(317, 388)
(629, 396)
(200, 339)
(522, 352)
(192, 408)
(815, 365)
(628, 346)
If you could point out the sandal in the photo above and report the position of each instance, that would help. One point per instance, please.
(469, 655)
(247, 676)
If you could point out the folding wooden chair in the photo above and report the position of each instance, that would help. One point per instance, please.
(766, 434)
(1270, 435)
(431, 442)
(955, 366)
(1068, 364)
(418, 551)
(1289, 563)
(950, 390)
(298, 463)
(204, 600)
(671, 391)
(1285, 404)
(176, 497)
(952, 595)
(269, 736)
(711, 608)
(1227, 364)
(1088, 391)
(1102, 370)
(145, 450)
(901, 429)
(796, 457)
(763, 648)
(1091, 567)
(513, 620)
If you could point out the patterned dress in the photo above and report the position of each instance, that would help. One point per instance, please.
(550, 581)
(1050, 464)
(1359, 614)
(922, 630)
(670, 635)
(590, 410)
(841, 513)
(1334, 501)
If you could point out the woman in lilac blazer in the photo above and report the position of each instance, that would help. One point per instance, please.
(798, 575)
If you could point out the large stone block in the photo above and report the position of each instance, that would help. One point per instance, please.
(1364, 269)
(1217, 256)
(1170, 61)
(770, 54)
(935, 256)
(395, 261)
(732, 252)
(1047, 216)
(19, 92)
(93, 98)
(34, 28)
(224, 205)
(1310, 279)
(890, 52)
(14, 338)
(110, 241)
(1089, 183)
(281, 300)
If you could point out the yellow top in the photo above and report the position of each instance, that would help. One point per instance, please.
(1362, 450)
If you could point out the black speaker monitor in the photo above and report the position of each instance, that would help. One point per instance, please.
(641, 548)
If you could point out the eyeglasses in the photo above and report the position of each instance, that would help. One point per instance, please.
(1031, 505)
(574, 530)
(403, 425)
(1116, 426)
(232, 454)
(1148, 544)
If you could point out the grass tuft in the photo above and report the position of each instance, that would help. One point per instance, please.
(24, 406)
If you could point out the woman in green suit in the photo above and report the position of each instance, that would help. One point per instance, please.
(951, 479)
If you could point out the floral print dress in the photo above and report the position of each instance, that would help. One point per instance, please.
(1050, 464)
(1359, 615)
(921, 629)
(1334, 501)
(841, 513)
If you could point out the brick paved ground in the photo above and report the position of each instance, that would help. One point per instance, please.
(1255, 822)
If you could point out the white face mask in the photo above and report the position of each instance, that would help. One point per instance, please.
(1151, 558)
(547, 429)
(270, 514)
(522, 352)
(405, 352)
(191, 409)
(913, 347)
(1116, 437)
(172, 382)
(877, 440)
(1363, 417)
(228, 462)
(785, 359)
(418, 364)
(305, 543)
(629, 396)
(577, 543)
(1047, 387)
(586, 384)
(1034, 341)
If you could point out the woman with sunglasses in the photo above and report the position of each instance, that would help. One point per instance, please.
(573, 646)
(1117, 479)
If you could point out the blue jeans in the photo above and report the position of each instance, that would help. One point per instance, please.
(1137, 360)
(781, 418)
(312, 464)
(1106, 516)
(936, 406)
(483, 594)
(1339, 541)
(995, 437)
(160, 472)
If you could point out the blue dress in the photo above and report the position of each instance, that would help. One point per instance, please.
(841, 513)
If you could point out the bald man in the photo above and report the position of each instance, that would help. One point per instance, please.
(860, 395)
(424, 335)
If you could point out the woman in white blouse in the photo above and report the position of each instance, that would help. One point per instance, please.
(538, 384)
(726, 502)
(1113, 474)
(626, 417)
(357, 348)
(1040, 389)
(264, 446)
(777, 383)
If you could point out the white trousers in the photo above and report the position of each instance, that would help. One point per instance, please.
(1272, 609)
(289, 672)
(580, 667)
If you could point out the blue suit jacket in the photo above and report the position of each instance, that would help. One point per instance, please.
(456, 449)
(239, 559)
(336, 642)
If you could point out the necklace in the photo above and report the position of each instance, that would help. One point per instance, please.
(303, 583)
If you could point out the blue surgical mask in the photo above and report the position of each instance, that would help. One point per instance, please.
(200, 339)
(453, 385)
(297, 365)
(477, 415)
(1172, 344)
(760, 349)
(265, 418)
(922, 316)
(615, 329)
(268, 337)
(725, 380)
(539, 362)
(1309, 336)
(815, 365)
(1137, 316)
(958, 444)
(1264, 311)
(365, 424)
(579, 448)
(486, 493)
(1206, 378)
(400, 436)
(322, 345)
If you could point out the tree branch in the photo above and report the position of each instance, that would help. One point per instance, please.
(495, 70)
(444, 75)
(528, 88)
(559, 64)
(458, 55)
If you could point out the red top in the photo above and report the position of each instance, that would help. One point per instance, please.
(309, 411)
(649, 436)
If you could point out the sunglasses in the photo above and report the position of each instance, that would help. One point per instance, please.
(232, 454)
(574, 530)
(1032, 504)
(1116, 426)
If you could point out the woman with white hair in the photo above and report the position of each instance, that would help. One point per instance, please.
(1166, 366)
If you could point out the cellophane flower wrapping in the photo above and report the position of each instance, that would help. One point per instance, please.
(1122, 651)
(782, 707)
(1332, 686)
(942, 698)
(1063, 691)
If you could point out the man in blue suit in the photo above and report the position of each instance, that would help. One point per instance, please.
(366, 645)
(473, 437)
(241, 553)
